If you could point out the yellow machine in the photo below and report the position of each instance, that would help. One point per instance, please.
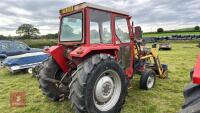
(149, 59)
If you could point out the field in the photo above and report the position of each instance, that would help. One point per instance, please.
(165, 97)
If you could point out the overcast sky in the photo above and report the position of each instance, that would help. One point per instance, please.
(150, 14)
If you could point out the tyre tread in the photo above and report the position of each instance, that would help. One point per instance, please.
(80, 79)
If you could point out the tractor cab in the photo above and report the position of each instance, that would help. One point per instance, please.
(87, 23)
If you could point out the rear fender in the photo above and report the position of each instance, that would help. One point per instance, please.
(83, 51)
(57, 52)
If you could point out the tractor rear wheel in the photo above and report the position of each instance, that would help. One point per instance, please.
(98, 86)
(51, 71)
(192, 99)
(148, 79)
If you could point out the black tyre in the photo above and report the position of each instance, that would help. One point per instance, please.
(36, 70)
(192, 99)
(191, 73)
(50, 70)
(98, 86)
(148, 79)
(165, 69)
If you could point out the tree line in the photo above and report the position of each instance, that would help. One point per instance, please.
(161, 30)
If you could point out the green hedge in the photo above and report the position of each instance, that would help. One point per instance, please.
(39, 43)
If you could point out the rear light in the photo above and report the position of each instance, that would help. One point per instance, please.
(80, 51)
(46, 50)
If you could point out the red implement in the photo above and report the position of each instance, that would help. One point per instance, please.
(196, 74)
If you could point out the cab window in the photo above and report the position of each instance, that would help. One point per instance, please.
(121, 29)
(71, 28)
(100, 27)
(94, 32)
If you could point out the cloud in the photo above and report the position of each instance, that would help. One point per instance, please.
(150, 14)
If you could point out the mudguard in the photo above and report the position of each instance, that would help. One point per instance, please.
(196, 74)
(85, 50)
(57, 52)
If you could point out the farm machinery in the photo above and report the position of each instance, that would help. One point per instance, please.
(98, 52)
(192, 91)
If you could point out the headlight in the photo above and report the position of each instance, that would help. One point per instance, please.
(14, 68)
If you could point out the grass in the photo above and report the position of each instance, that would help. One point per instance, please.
(165, 97)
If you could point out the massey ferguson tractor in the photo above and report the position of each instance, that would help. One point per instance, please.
(192, 91)
(98, 52)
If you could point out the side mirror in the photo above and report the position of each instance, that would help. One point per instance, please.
(138, 32)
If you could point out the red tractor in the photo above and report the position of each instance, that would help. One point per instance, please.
(192, 91)
(94, 59)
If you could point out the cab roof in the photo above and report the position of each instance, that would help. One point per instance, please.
(90, 5)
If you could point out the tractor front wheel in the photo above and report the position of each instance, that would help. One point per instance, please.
(148, 79)
(98, 86)
(50, 72)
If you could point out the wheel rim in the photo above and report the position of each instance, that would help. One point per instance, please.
(30, 70)
(107, 90)
(150, 81)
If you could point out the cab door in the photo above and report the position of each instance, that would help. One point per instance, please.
(122, 38)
